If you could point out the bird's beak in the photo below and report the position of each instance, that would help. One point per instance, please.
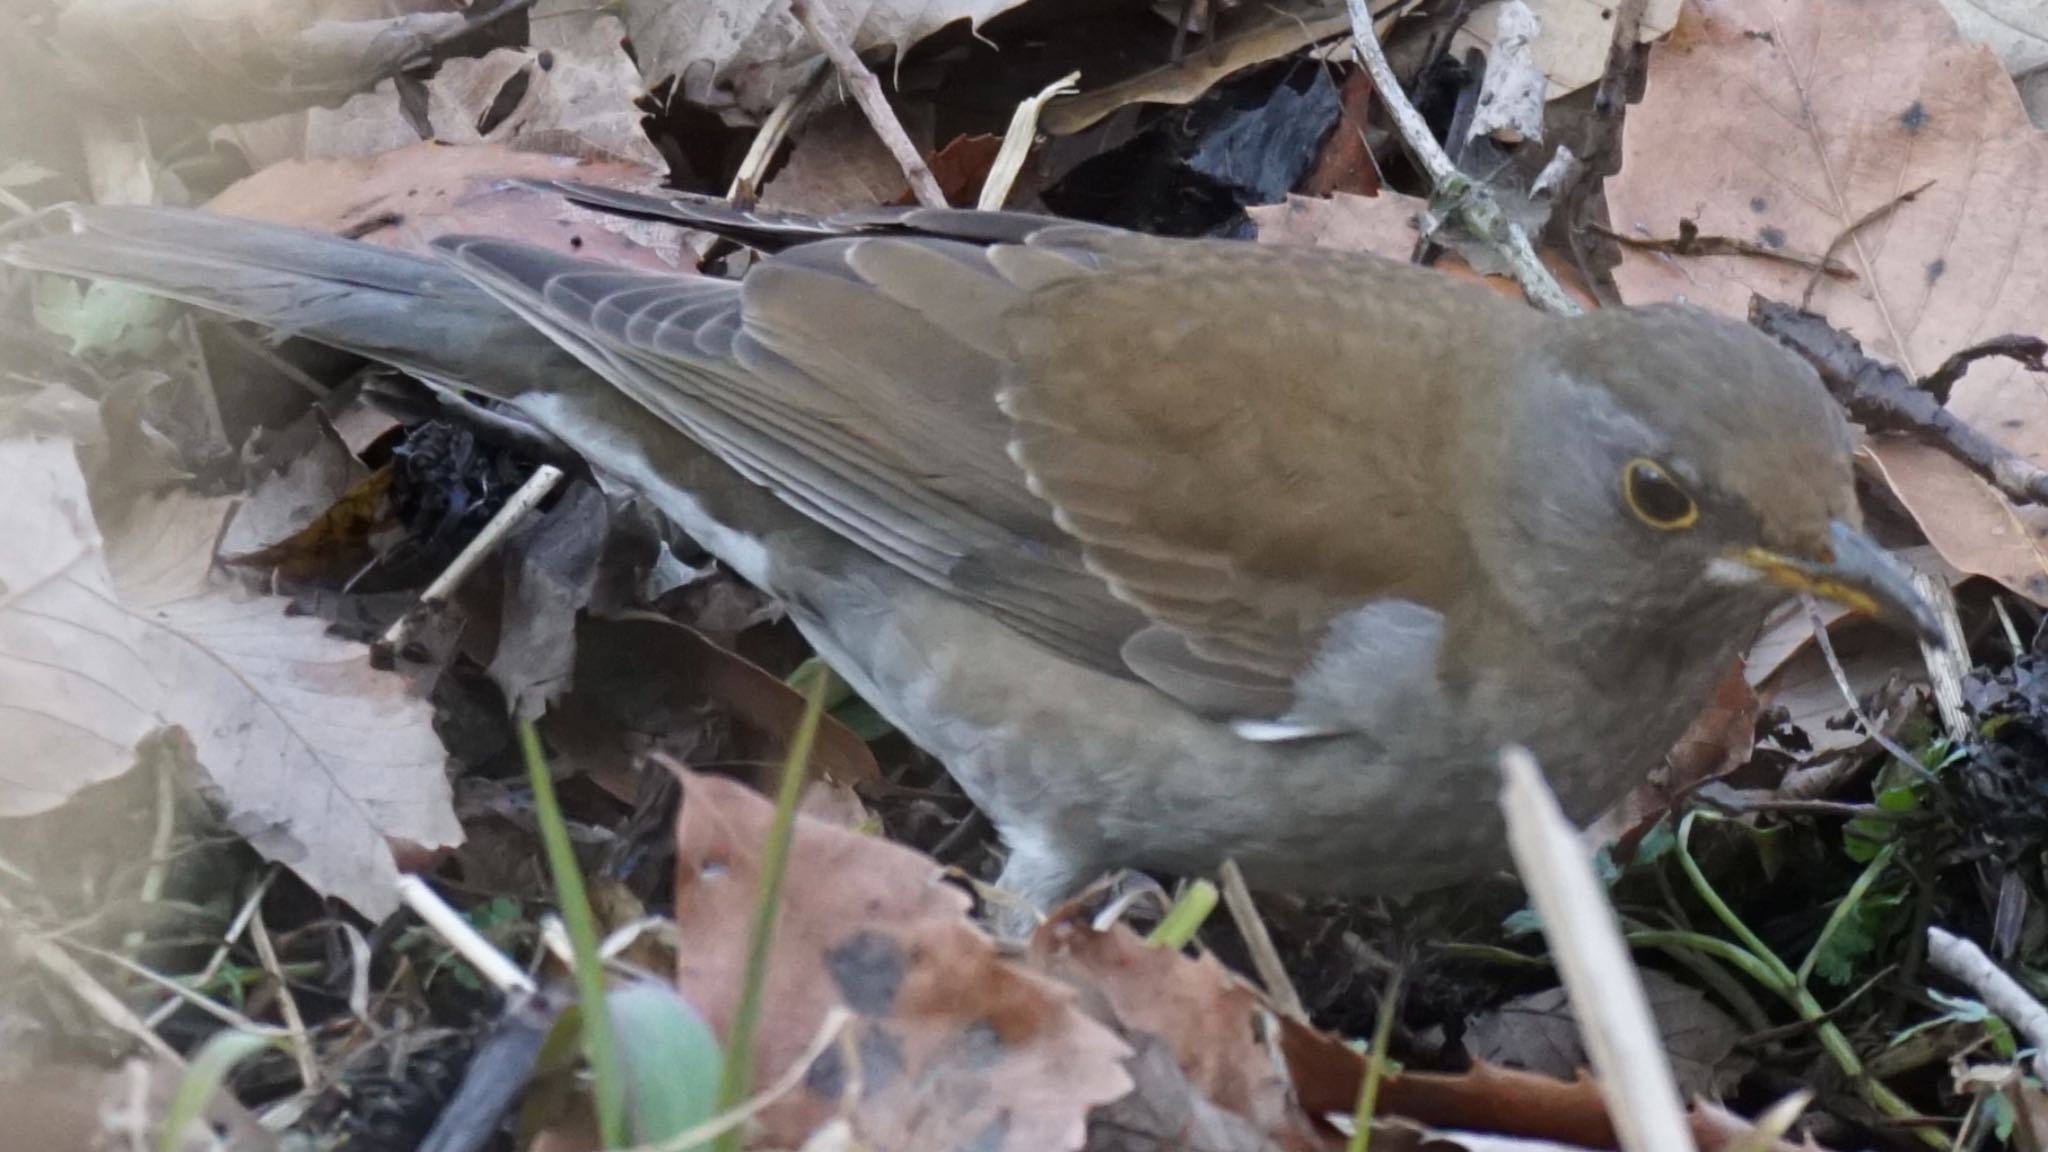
(1856, 574)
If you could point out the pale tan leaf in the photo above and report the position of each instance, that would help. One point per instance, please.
(1784, 122)
(316, 759)
(1572, 49)
(748, 54)
(241, 59)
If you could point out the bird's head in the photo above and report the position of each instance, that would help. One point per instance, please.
(1672, 472)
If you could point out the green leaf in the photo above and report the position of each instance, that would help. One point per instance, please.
(104, 319)
(672, 1060)
(209, 1069)
(860, 716)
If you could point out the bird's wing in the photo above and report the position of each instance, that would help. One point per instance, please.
(1205, 432)
(857, 409)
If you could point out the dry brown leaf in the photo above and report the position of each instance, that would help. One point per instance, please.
(644, 683)
(1267, 32)
(952, 1045)
(1785, 122)
(1487, 1098)
(1538, 1033)
(299, 509)
(404, 199)
(317, 759)
(1968, 522)
(745, 55)
(1383, 225)
(1718, 741)
(1209, 1020)
(837, 163)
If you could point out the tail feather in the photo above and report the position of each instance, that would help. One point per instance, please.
(413, 313)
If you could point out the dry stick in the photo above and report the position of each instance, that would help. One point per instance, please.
(1468, 201)
(288, 1005)
(1827, 652)
(2028, 350)
(1882, 399)
(532, 492)
(867, 92)
(1629, 1061)
(462, 937)
(1964, 962)
(1237, 896)
(1845, 235)
(1689, 242)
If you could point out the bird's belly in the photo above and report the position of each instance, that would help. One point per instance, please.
(1098, 771)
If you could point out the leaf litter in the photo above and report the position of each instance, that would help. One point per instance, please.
(650, 665)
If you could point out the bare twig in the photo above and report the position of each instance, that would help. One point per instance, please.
(1689, 242)
(1465, 200)
(867, 92)
(287, 1003)
(1882, 399)
(532, 492)
(768, 138)
(457, 932)
(1857, 225)
(1237, 896)
(1964, 962)
(1827, 652)
(1607, 998)
(2027, 350)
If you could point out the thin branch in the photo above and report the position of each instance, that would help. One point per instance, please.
(1964, 962)
(1857, 225)
(1882, 399)
(867, 92)
(1466, 202)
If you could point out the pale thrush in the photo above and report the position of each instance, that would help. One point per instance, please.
(1171, 550)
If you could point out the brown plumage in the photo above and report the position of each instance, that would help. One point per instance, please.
(1171, 550)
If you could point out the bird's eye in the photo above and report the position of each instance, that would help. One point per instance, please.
(1655, 497)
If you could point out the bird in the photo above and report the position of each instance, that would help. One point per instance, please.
(1173, 551)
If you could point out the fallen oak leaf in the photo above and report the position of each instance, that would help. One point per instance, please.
(318, 761)
(1798, 121)
(956, 1046)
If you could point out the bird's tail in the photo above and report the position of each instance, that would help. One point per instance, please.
(412, 313)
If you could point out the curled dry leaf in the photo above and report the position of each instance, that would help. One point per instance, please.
(1208, 1019)
(1488, 1098)
(951, 1046)
(1788, 122)
(228, 60)
(317, 759)
(745, 55)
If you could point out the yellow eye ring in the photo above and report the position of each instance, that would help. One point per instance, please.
(1655, 497)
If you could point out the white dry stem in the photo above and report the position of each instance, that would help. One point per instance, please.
(1949, 663)
(1237, 896)
(457, 932)
(1606, 993)
(532, 492)
(1965, 963)
(1023, 130)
